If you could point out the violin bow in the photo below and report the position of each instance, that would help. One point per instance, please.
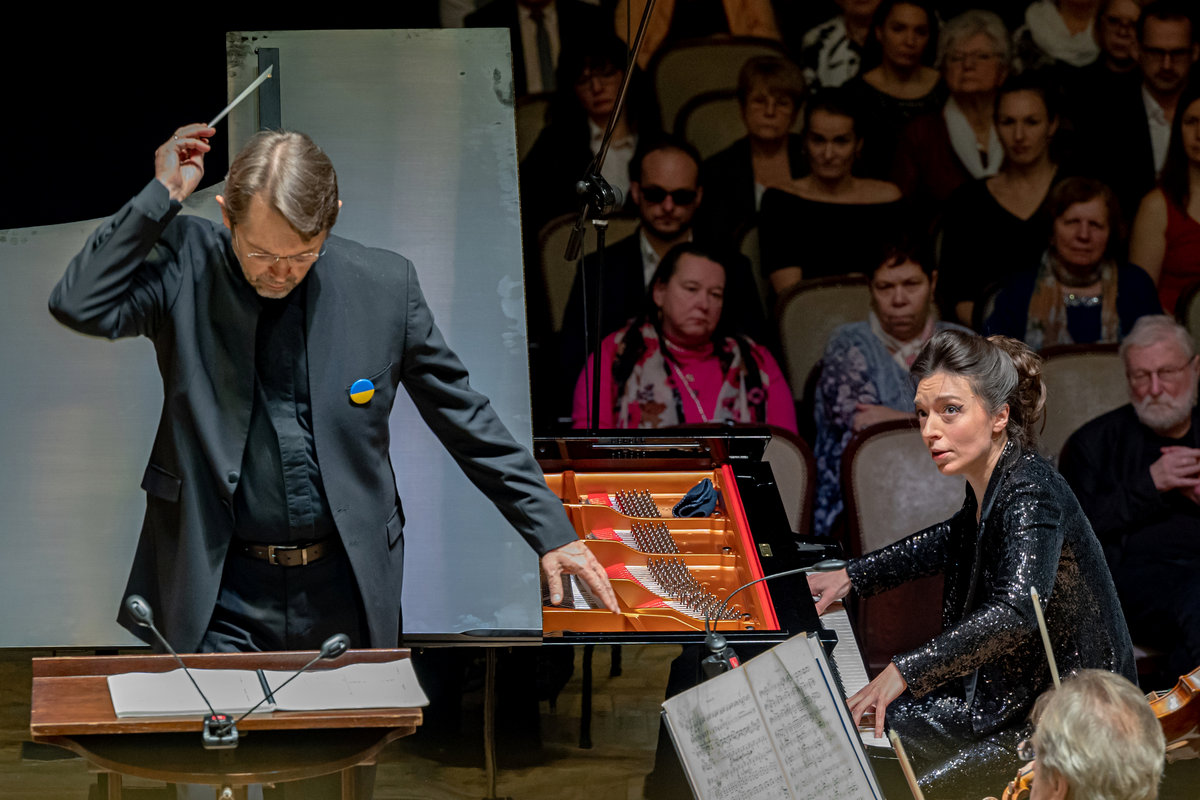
(1037, 609)
(906, 766)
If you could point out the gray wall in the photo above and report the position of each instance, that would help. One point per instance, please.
(420, 127)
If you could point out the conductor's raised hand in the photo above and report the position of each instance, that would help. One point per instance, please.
(576, 559)
(179, 161)
(877, 696)
(828, 587)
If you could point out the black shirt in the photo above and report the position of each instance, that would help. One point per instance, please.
(280, 498)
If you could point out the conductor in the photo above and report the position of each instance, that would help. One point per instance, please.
(272, 515)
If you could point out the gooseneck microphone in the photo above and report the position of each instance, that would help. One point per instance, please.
(331, 648)
(218, 732)
(722, 657)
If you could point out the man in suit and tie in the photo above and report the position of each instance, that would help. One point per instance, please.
(1129, 133)
(272, 516)
(541, 30)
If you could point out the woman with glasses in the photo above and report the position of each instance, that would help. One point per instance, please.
(960, 702)
(940, 151)
(1166, 231)
(589, 79)
(831, 221)
(1080, 293)
(677, 363)
(770, 92)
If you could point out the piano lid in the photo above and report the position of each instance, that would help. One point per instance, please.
(691, 448)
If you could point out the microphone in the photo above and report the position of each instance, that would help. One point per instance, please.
(331, 648)
(722, 657)
(214, 735)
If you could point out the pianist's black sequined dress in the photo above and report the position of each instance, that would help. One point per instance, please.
(970, 689)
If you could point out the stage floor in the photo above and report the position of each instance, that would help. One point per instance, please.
(445, 759)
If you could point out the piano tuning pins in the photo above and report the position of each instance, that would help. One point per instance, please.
(636, 503)
(677, 580)
(653, 537)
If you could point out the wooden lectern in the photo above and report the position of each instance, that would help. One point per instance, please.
(71, 708)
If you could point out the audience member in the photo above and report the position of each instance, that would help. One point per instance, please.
(676, 20)
(770, 91)
(1097, 739)
(678, 363)
(666, 190)
(541, 30)
(996, 227)
(938, 152)
(830, 221)
(1079, 294)
(1116, 33)
(1136, 472)
(1114, 73)
(865, 370)
(1057, 32)
(589, 81)
(1166, 232)
(830, 52)
(1129, 132)
(898, 84)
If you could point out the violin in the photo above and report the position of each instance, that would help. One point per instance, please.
(1018, 788)
(1178, 710)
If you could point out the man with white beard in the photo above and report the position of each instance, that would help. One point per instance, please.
(1136, 472)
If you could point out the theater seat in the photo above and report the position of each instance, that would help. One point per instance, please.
(1082, 382)
(892, 488)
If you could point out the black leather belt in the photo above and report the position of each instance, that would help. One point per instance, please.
(288, 555)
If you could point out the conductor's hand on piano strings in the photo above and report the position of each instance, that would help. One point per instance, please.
(876, 696)
(828, 587)
(576, 559)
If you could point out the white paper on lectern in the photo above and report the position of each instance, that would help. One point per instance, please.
(775, 727)
(392, 684)
(168, 694)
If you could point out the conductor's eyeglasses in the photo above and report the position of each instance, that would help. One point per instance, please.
(681, 197)
(268, 260)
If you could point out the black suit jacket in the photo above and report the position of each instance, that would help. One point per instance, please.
(728, 180)
(577, 22)
(1117, 146)
(176, 281)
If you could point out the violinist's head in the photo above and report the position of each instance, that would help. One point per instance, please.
(1097, 738)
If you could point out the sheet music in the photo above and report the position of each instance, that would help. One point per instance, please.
(719, 724)
(773, 728)
(812, 728)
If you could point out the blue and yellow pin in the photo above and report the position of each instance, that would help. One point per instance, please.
(361, 391)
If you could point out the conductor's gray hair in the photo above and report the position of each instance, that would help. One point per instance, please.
(1000, 370)
(1098, 733)
(1155, 328)
(970, 23)
(292, 174)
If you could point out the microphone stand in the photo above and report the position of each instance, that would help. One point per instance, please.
(598, 197)
(722, 658)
